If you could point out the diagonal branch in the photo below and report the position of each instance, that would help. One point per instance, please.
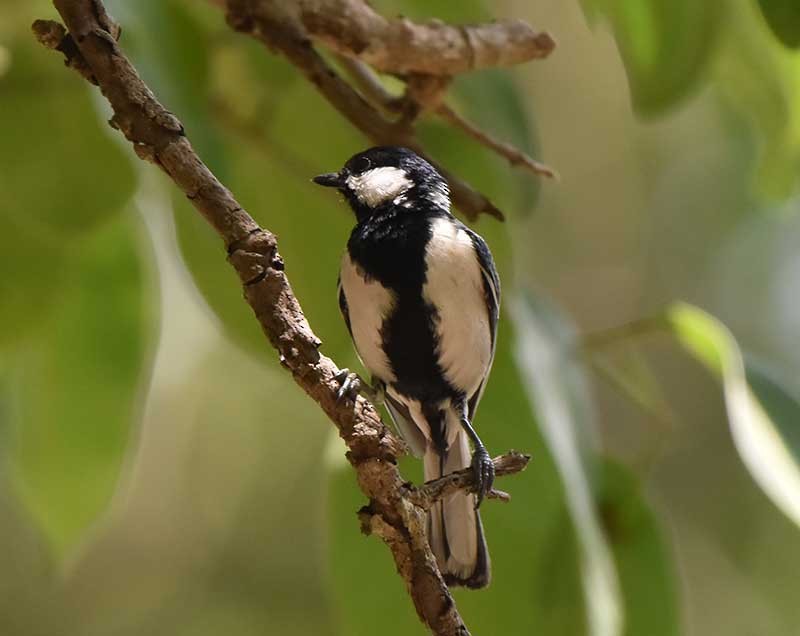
(394, 507)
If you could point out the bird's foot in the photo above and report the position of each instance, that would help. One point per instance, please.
(351, 385)
(483, 472)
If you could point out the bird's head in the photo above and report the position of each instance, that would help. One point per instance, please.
(388, 175)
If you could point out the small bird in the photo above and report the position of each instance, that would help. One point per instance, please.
(420, 295)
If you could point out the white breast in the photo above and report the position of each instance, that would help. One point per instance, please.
(455, 287)
(368, 303)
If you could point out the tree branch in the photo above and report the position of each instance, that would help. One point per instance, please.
(401, 46)
(158, 136)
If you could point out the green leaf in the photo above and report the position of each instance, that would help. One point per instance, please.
(171, 50)
(761, 80)
(665, 45)
(558, 392)
(559, 577)
(644, 563)
(75, 386)
(783, 17)
(53, 148)
(763, 415)
(27, 603)
(32, 284)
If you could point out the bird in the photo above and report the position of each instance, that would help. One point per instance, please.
(420, 296)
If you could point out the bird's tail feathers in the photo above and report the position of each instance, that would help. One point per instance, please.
(454, 525)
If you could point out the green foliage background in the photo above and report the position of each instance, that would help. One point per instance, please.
(159, 472)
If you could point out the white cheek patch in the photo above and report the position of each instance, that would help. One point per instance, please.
(379, 185)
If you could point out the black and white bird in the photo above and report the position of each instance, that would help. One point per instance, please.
(420, 295)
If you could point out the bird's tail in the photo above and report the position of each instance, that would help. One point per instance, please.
(454, 525)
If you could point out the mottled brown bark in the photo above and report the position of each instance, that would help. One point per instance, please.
(403, 46)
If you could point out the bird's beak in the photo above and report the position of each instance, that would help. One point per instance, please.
(329, 180)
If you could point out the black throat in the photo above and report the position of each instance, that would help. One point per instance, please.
(389, 244)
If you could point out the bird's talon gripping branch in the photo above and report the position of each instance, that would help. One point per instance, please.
(483, 469)
(351, 385)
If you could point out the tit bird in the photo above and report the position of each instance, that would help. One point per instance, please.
(420, 295)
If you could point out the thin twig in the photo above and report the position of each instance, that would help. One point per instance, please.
(514, 155)
(430, 492)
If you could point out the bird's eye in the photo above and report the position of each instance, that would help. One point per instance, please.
(361, 165)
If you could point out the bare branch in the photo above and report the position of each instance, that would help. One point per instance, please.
(158, 136)
(401, 46)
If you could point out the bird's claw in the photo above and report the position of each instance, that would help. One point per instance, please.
(350, 385)
(483, 473)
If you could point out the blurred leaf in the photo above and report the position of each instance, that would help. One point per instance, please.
(27, 605)
(76, 384)
(761, 80)
(783, 17)
(558, 392)
(644, 564)
(665, 45)
(32, 283)
(559, 578)
(53, 147)
(632, 376)
(171, 51)
(763, 416)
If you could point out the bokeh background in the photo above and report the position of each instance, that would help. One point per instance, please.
(161, 474)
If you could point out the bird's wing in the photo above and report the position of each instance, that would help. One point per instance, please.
(405, 425)
(343, 305)
(491, 287)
